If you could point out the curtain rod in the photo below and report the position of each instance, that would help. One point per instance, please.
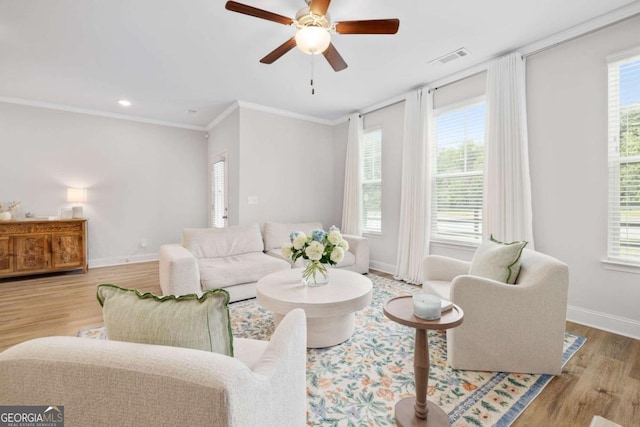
(461, 78)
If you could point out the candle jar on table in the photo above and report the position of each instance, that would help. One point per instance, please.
(426, 306)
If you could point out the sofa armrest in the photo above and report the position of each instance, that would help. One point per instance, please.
(284, 363)
(359, 247)
(179, 273)
(437, 267)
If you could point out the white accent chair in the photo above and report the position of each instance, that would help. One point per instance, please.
(107, 383)
(506, 328)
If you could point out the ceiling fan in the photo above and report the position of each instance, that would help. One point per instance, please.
(314, 28)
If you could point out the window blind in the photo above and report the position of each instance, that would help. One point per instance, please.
(624, 160)
(457, 173)
(372, 181)
(218, 214)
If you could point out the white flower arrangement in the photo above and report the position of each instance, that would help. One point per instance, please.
(319, 249)
(10, 206)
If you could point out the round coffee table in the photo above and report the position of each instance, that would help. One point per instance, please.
(330, 309)
(418, 411)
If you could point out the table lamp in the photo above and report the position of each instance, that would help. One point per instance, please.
(77, 195)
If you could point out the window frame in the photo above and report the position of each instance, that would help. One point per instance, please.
(367, 231)
(435, 238)
(615, 260)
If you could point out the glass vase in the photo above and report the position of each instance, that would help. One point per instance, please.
(315, 273)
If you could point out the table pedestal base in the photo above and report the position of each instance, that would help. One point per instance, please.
(327, 331)
(406, 414)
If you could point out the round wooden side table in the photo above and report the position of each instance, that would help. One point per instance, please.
(418, 411)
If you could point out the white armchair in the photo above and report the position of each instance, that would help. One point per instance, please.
(507, 328)
(107, 383)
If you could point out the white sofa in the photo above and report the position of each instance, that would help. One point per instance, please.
(508, 328)
(234, 258)
(274, 234)
(209, 258)
(107, 383)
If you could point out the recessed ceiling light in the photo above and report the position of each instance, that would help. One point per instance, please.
(124, 102)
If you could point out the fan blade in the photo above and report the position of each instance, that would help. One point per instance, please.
(374, 26)
(334, 58)
(279, 51)
(319, 7)
(258, 13)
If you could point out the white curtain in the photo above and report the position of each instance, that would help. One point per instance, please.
(352, 202)
(507, 184)
(415, 206)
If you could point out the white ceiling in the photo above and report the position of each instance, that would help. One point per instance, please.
(169, 56)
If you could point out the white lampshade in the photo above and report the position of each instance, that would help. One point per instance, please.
(76, 195)
(313, 40)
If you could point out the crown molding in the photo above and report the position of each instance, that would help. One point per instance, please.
(259, 107)
(230, 109)
(286, 113)
(59, 107)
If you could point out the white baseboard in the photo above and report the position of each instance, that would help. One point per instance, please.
(106, 262)
(382, 266)
(605, 321)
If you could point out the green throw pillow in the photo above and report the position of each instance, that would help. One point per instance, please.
(189, 321)
(497, 260)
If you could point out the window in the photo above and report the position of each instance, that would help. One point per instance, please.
(372, 181)
(457, 173)
(218, 193)
(624, 159)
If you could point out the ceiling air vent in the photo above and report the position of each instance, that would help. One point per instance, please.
(458, 53)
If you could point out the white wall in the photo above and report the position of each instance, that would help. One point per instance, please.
(567, 119)
(286, 163)
(144, 181)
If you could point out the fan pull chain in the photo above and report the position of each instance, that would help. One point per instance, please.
(313, 89)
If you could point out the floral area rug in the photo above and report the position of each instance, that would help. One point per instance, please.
(358, 382)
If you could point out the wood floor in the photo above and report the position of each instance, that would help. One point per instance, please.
(603, 378)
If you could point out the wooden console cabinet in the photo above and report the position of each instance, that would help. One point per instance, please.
(34, 246)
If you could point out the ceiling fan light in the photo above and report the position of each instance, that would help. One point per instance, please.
(313, 40)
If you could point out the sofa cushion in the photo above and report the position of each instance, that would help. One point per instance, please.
(497, 260)
(200, 323)
(277, 233)
(348, 260)
(222, 242)
(237, 269)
